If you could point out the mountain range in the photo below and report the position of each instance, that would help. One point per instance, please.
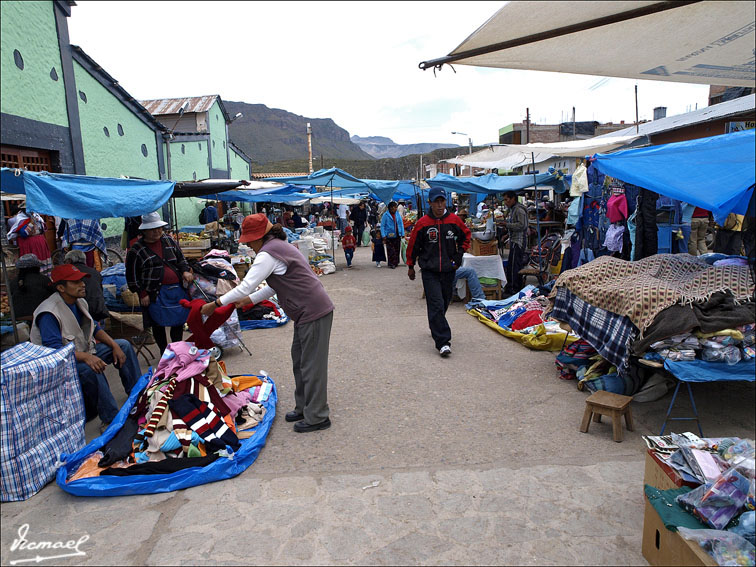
(276, 140)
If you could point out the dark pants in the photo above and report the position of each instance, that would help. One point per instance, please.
(309, 357)
(728, 242)
(393, 248)
(438, 287)
(349, 254)
(646, 233)
(177, 333)
(358, 230)
(95, 387)
(515, 263)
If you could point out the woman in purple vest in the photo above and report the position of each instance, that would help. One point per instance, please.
(304, 300)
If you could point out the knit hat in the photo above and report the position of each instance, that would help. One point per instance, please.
(254, 227)
(348, 229)
(151, 220)
(28, 261)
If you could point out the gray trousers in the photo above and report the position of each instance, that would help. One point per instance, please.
(309, 356)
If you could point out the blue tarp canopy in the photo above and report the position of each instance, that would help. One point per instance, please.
(284, 194)
(491, 184)
(387, 191)
(333, 177)
(716, 173)
(85, 197)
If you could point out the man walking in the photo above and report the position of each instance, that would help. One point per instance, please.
(437, 244)
(517, 225)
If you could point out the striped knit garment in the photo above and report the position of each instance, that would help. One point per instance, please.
(203, 418)
(162, 405)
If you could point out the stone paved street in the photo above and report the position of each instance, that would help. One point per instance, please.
(474, 459)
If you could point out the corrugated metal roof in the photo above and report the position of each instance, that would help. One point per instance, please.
(264, 175)
(706, 114)
(172, 105)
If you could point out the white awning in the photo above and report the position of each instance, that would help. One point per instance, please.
(706, 42)
(336, 200)
(509, 156)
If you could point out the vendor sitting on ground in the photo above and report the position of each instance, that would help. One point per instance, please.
(64, 318)
(93, 284)
(30, 288)
(473, 283)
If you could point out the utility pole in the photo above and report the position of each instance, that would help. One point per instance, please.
(309, 144)
(527, 125)
(574, 133)
(636, 108)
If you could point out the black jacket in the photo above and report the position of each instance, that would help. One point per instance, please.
(438, 244)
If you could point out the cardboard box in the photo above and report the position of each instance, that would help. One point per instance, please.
(484, 248)
(660, 475)
(663, 547)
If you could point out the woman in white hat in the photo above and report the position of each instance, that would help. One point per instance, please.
(155, 268)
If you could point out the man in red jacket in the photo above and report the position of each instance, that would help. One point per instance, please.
(437, 244)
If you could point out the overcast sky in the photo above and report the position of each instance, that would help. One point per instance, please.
(354, 62)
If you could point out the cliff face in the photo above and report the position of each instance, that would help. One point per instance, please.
(271, 134)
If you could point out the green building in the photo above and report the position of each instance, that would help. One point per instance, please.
(62, 112)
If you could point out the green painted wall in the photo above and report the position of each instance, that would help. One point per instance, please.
(113, 154)
(189, 160)
(188, 210)
(239, 167)
(29, 27)
(217, 127)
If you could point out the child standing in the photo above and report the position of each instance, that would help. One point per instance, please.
(348, 243)
(379, 253)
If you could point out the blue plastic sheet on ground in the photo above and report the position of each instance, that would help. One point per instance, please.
(262, 323)
(220, 469)
(704, 371)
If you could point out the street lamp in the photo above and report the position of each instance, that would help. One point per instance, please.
(469, 142)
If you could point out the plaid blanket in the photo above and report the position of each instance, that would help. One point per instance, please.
(79, 231)
(608, 333)
(42, 416)
(641, 289)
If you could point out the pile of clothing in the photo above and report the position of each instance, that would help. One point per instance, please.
(519, 312)
(728, 345)
(216, 275)
(189, 414)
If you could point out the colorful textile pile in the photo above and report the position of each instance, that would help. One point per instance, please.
(640, 290)
(188, 414)
(728, 345)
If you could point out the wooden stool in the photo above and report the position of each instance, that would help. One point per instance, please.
(609, 404)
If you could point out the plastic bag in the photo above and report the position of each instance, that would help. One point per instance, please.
(725, 547)
(715, 504)
(729, 354)
(746, 526)
(404, 250)
(366, 236)
(327, 266)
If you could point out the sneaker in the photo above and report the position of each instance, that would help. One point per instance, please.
(445, 351)
(377, 264)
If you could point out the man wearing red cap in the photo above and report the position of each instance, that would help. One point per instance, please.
(304, 300)
(64, 318)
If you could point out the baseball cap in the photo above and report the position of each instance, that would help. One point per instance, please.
(66, 273)
(254, 227)
(435, 193)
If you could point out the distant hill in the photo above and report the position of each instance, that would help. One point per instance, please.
(271, 134)
(381, 147)
(405, 167)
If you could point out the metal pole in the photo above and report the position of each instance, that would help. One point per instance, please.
(574, 133)
(527, 126)
(636, 108)
(333, 235)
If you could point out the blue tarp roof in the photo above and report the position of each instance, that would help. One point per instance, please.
(85, 197)
(334, 177)
(491, 184)
(716, 173)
